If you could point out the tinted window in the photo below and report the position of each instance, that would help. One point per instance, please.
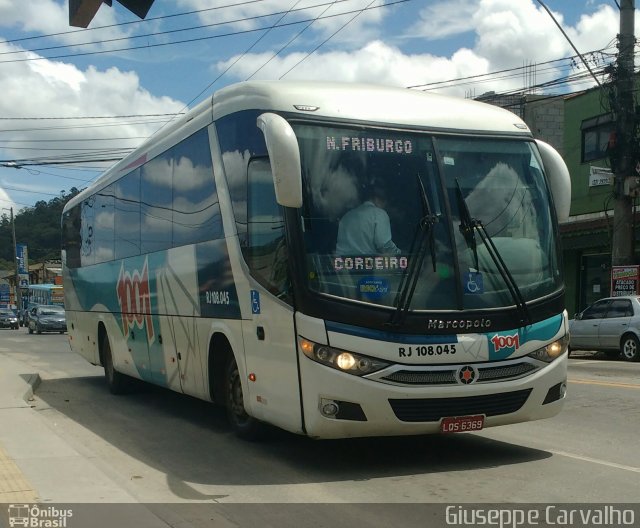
(87, 214)
(620, 308)
(71, 240)
(240, 140)
(127, 215)
(156, 208)
(104, 211)
(596, 311)
(266, 253)
(196, 212)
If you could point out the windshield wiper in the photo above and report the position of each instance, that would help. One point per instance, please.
(468, 228)
(423, 239)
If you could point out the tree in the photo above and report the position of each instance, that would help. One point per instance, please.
(38, 227)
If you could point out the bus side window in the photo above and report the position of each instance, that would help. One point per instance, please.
(266, 253)
(71, 239)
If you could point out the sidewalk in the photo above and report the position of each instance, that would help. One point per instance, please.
(16, 389)
(36, 464)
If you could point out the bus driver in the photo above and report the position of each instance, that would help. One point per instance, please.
(366, 230)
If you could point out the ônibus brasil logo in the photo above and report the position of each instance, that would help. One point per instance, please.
(34, 516)
(135, 300)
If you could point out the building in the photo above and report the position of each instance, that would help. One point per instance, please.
(579, 128)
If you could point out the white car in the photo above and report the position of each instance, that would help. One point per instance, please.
(611, 325)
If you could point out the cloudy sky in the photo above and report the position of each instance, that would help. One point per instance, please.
(71, 95)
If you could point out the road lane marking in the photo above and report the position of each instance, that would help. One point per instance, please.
(596, 461)
(605, 383)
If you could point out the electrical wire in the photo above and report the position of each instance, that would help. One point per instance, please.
(333, 35)
(143, 21)
(196, 39)
(165, 32)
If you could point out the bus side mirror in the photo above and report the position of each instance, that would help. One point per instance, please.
(284, 156)
(558, 177)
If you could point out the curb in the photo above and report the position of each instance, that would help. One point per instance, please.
(32, 381)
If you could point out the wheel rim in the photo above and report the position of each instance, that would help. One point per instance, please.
(630, 349)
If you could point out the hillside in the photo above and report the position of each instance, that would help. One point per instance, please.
(38, 227)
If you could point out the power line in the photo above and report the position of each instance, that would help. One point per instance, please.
(160, 33)
(569, 40)
(290, 41)
(69, 140)
(86, 117)
(146, 20)
(507, 70)
(199, 39)
(102, 125)
(357, 14)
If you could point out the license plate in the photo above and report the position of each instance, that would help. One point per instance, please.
(462, 424)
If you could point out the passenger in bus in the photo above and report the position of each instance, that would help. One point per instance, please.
(366, 230)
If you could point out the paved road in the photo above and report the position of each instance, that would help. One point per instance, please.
(155, 446)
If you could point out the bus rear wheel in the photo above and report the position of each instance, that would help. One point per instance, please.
(243, 425)
(116, 382)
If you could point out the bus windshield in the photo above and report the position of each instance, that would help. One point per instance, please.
(392, 217)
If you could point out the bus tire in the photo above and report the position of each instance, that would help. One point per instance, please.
(243, 425)
(116, 382)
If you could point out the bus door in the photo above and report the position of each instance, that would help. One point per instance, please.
(269, 336)
(176, 352)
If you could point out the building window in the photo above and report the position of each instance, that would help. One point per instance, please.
(595, 137)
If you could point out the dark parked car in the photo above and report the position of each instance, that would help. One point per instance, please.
(47, 318)
(611, 325)
(8, 319)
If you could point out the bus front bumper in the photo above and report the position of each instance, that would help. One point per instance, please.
(340, 405)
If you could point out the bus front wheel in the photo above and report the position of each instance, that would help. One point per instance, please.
(243, 425)
(117, 383)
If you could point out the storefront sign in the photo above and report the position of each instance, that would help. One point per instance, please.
(624, 280)
(600, 176)
(23, 265)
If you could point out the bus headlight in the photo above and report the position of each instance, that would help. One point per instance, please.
(342, 360)
(552, 350)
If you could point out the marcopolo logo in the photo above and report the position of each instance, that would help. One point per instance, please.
(34, 516)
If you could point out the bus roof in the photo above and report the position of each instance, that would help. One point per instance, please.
(376, 104)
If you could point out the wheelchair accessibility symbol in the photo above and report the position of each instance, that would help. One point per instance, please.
(473, 282)
(255, 302)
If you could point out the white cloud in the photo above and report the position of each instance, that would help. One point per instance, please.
(7, 203)
(243, 17)
(48, 17)
(376, 63)
(507, 34)
(445, 19)
(56, 89)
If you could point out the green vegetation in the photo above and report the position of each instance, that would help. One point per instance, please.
(38, 227)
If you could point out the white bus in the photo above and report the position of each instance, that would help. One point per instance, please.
(206, 262)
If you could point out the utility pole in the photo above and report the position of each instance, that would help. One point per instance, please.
(624, 170)
(15, 262)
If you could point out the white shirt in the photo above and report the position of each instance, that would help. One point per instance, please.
(365, 230)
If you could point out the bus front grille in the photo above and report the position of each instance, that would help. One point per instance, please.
(434, 409)
(448, 376)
